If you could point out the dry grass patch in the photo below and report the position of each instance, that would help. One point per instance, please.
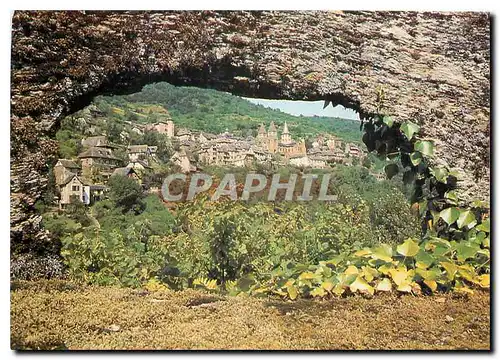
(61, 315)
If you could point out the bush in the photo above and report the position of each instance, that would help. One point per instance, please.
(113, 258)
(126, 194)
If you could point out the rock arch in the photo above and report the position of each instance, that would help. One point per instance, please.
(434, 69)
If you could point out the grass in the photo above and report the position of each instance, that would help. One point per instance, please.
(51, 315)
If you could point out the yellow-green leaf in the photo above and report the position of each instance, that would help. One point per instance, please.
(384, 285)
(451, 269)
(409, 129)
(292, 291)
(338, 290)
(388, 121)
(405, 286)
(450, 215)
(466, 218)
(363, 252)
(409, 248)
(484, 226)
(431, 284)
(484, 280)
(351, 270)
(425, 147)
(362, 286)
(319, 291)
(399, 276)
(384, 269)
(306, 276)
(327, 285)
(369, 273)
(383, 252)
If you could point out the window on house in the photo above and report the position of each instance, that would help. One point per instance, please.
(75, 188)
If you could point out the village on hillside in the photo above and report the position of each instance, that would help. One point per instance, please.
(85, 177)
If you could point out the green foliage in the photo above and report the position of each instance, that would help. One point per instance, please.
(126, 193)
(427, 266)
(113, 258)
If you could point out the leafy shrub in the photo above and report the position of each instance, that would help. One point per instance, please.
(113, 258)
(126, 194)
(430, 265)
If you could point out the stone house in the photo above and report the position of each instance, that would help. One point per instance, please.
(64, 168)
(181, 159)
(353, 150)
(77, 188)
(299, 160)
(139, 166)
(141, 152)
(162, 127)
(97, 141)
(128, 172)
(184, 135)
(98, 162)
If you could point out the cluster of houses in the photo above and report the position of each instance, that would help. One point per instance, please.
(85, 178)
(228, 150)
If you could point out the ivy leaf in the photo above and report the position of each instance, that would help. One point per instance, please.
(416, 158)
(409, 129)
(292, 292)
(369, 273)
(451, 269)
(391, 170)
(409, 248)
(452, 197)
(431, 284)
(388, 121)
(384, 269)
(425, 147)
(459, 287)
(405, 286)
(423, 259)
(362, 286)
(441, 174)
(486, 242)
(426, 274)
(383, 252)
(351, 270)
(466, 218)
(399, 276)
(466, 251)
(327, 285)
(307, 276)
(319, 291)
(384, 285)
(484, 226)
(363, 253)
(484, 280)
(325, 105)
(480, 204)
(450, 215)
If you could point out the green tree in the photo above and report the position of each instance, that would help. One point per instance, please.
(126, 193)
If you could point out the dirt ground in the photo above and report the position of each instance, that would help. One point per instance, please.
(60, 315)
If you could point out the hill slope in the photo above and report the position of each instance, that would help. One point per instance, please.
(215, 111)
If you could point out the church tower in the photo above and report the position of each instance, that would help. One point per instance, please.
(272, 138)
(261, 134)
(286, 138)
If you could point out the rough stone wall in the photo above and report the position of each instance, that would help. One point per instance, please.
(432, 67)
